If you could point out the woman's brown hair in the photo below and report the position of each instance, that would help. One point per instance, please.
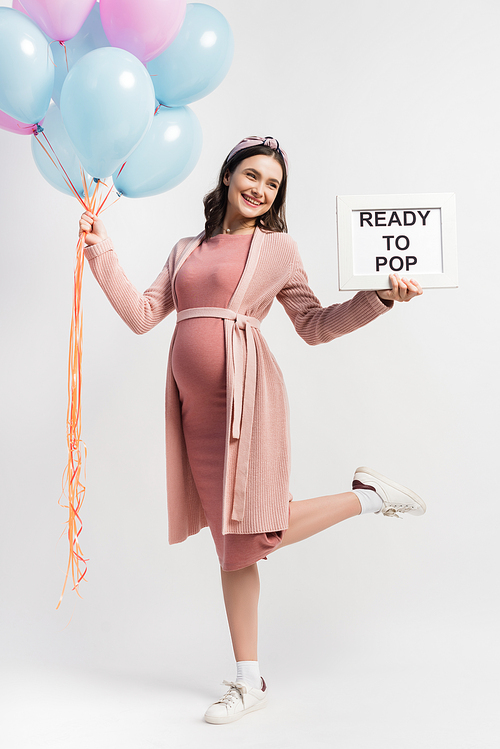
(215, 202)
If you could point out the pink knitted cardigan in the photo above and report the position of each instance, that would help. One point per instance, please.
(257, 458)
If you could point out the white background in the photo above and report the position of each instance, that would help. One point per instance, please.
(376, 633)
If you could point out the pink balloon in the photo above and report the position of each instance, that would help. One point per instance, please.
(14, 126)
(17, 6)
(59, 19)
(143, 27)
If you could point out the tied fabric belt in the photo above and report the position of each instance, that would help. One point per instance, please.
(244, 384)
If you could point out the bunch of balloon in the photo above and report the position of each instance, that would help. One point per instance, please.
(190, 68)
(103, 89)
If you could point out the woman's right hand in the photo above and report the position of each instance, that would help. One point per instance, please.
(93, 227)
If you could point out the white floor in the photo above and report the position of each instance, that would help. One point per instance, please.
(395, 698)
(398, 653)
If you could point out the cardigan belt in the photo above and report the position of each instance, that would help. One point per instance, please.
(244, 384)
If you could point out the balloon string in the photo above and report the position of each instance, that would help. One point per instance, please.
(55, 41)
(66, 54)
(58, 165)
(105, 199)
(114, 201)
(35, 133)
(48, 49)
(65, 174)
(73, 488)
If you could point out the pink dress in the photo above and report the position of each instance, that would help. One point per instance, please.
(209, 278)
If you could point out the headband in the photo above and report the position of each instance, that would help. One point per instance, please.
(255, 140)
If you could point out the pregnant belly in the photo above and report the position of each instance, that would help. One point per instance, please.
(198, 365)
(199, 360)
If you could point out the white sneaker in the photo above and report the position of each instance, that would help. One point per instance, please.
(395, 498)
(239, 700)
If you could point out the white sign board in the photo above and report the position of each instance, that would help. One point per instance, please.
(412, 235)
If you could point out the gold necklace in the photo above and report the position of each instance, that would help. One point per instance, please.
(228, 231)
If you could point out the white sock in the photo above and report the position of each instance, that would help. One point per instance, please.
(369, 500)
(248, 671)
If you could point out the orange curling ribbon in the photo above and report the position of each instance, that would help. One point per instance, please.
(74, 473)
(73, 490)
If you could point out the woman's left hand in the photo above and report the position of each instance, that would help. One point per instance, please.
(402, 289)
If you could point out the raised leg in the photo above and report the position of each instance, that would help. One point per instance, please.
(310, 516)
(241, 588)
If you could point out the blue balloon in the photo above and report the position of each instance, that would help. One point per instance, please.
(54, 130)
(167, 154)
(91, 36)
(197, 60)
(107, 106)
(26, 68)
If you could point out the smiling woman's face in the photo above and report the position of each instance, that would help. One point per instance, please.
(253, 186)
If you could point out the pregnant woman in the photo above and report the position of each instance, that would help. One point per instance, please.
(227, 430)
